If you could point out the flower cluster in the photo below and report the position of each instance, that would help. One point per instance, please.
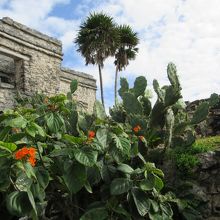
(137, 128)
(27, 154)
(91, 135)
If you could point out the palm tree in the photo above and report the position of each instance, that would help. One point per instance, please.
(126, 51)
(97, 39)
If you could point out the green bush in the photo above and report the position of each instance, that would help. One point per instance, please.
(60, 163)
(57, 162)
(206, 144)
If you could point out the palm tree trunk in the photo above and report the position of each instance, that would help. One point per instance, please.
(116, 82)
(101, 86)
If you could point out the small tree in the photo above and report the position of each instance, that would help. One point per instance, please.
(126, 50)
(97, 39)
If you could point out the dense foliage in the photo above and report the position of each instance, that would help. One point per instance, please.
(57, 162)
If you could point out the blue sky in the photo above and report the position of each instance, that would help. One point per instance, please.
(186, 32)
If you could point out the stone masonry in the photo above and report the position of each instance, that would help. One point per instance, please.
(31, 62)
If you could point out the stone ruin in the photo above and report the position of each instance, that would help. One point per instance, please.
(30, 62)
(211, 126)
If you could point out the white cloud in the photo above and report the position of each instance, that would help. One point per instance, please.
(184, 32)
(35, 14)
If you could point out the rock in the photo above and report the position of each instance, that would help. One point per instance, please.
(216, 204)
(32, 63)
(207, 160)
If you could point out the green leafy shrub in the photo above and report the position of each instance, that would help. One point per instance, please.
(186, 162)
(60, 163)
(187, 158)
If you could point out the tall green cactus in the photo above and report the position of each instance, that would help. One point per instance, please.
(124, 87)
(169, 127)
(168, 116)
(131, 103)
(173, 77)
(140, 85)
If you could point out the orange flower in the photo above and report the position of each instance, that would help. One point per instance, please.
(91, 134)
(26, 153)
(20, 154)
(32, 151)
(137, 128)
(32, 161)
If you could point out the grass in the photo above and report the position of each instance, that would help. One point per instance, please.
(187, 158)
(206, 144)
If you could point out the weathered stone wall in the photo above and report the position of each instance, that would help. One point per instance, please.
(201, 187)
(37, 65)
(208, 181)
(211, 126)
(85, 93)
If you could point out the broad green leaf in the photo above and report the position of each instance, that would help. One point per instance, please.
(86, 156)
(147, 184)
(158, 172)
(62, 152)
(29, 170)
(19, 122)
(54, 122)
(14, 138)
(122, 211)
(95, 214)
(93, 175)
(125, 168)
(123, 144)
(4, 132)
(38, 192)
(73, 139)
(8, 146)
(75, 177)
(158, 183)
(120, 185)
(4, 152)
(101, 136)
(154, 205)
(201, 113)
(40, 130)
(82, 122)
(166, 209)
(31, 130)
(88, 187)
(31, 199)
(18, 203)
(42, 176)
(23, 183)
(141, 201)
(73, 86)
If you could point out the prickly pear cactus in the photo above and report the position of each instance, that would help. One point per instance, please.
(167, 118)
(169, 127)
